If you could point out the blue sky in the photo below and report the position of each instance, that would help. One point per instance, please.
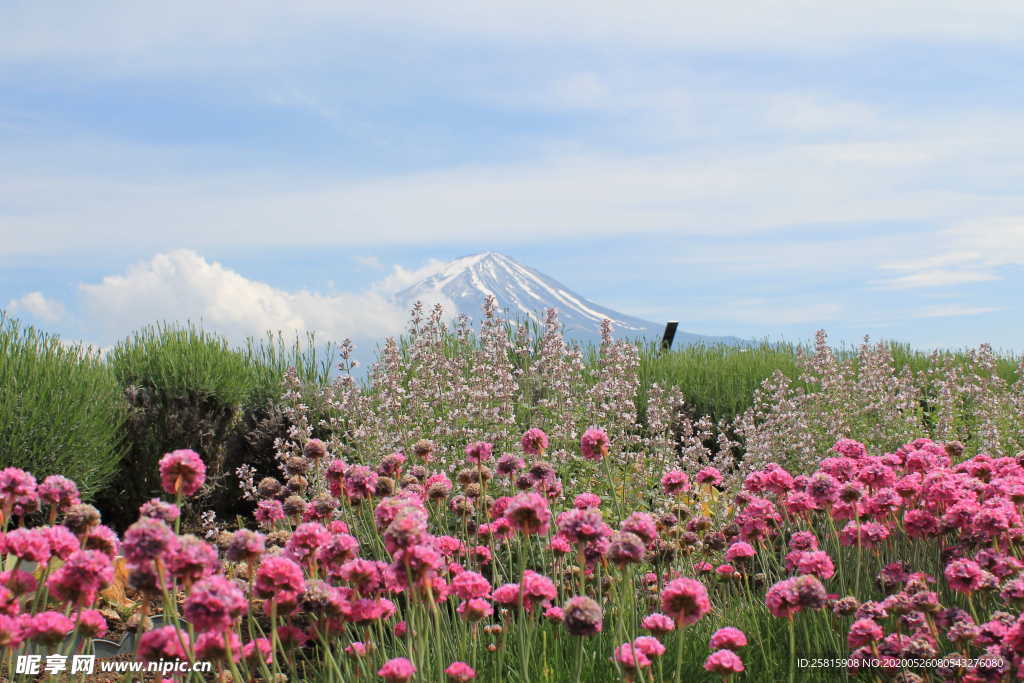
(756, 169)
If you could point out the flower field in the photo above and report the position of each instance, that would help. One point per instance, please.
(493, 508)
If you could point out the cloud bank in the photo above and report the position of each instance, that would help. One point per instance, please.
(182, 285)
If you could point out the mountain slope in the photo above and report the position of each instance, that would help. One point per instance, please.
(524, 293)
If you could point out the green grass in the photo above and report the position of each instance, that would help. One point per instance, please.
(190, 388)
(182, 360)
(720, 381)
(61, 408)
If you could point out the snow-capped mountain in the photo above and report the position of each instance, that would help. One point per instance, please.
(524, 293)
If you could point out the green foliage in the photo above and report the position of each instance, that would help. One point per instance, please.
(718, 380)
(189, 388)
(61, 409)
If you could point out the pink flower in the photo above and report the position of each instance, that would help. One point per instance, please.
(724, 662)
(47, 627)
(81, 578)
(9, 604)
(256, 650)
(631, 658)
(416, 564)
(27, 544)
(62, 542)
(625, 548)
(559, 544)
(658, 623)
(245, 546)
(582, 616)
(709, 476)
(816, 562)
(685, 600)
(863, 632)
(146, 540)
(391, 464)
(740, 551)
(870, 534)
(782, 600)
(104, 539)
(163, 643)
(594, 444)
(643, 525)
(506, 594)
(307, 538)
(366, 611)
(964, 576)
(397, 670)
(215, 603)
(15, 484)
(360, 483)
(850, 448)
(59, 492)
(1014, 638)
(338, 550)
(803, 540)
(477, 609)
(279, 579)
(777, 480)
(534, 441)
(554, 614)
(212, 646)
(649, 646)
(537, 588)
(581, 526)
(799, 503)
(460, 672)
(587, 500)
(356, 649)
(469, 585)
(728, 638)
(508, 464)
(334, 474)
(920, 524)
(529, 513)
(192, 559)
(478, 452)
(315, 449)
(92, 623)
(269, 511)
(823, 488)
(675, 482)
(158, 509)
(11, 632)
(182, 472)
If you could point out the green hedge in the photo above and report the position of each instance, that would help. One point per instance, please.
(61, 408)
(189, 388)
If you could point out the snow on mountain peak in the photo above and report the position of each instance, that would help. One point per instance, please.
(521, 292)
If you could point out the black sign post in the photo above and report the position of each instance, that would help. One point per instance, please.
(669, 336)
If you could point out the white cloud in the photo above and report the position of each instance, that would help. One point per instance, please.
(996, 241)
(38, 306)
(777, 311)
(133, 35)
(935, 278)
(809, 112)
(537, 201)
(181, 285)
(369, 262)
(400, 277)
(953, 310)
(951, 258)
(973, 251)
